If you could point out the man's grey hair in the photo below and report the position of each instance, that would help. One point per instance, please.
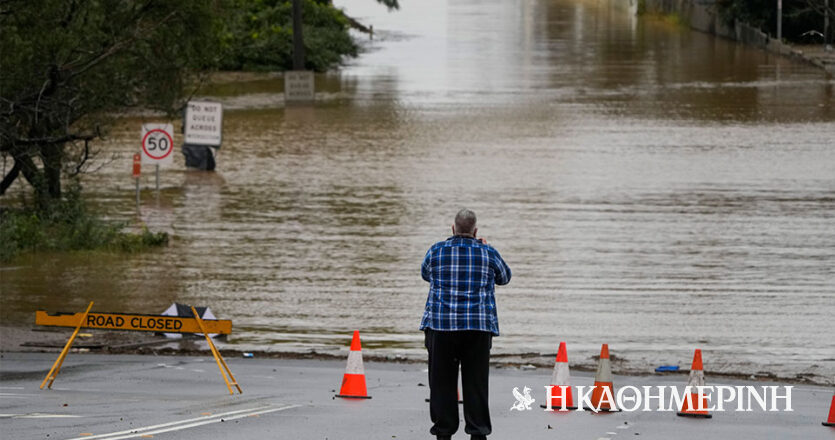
(465, 222)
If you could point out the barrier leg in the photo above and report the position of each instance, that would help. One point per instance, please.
(221, 364)
(56, 367)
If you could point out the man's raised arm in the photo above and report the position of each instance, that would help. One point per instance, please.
(501, 270)
(424, 267)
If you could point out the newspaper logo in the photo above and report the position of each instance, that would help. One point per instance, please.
(523, 402)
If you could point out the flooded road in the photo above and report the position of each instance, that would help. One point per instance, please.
(651, 187)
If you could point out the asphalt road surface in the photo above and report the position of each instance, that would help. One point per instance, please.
(110, 397)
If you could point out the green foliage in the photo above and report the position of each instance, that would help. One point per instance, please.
(69, 65)
(258, 35)
(799, 16)
(67, 226)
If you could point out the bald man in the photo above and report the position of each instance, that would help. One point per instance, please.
(459, 323)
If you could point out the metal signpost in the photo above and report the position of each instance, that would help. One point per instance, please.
(137, 171)
(157, 145)
(826, 32)
(779, 20)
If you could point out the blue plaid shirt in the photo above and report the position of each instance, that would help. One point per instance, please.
(462, 272)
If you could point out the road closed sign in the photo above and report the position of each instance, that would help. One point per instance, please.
(204, 123)
(157, 144)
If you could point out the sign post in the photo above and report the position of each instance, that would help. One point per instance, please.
(157, 145)
(137, 171)
(780, 20)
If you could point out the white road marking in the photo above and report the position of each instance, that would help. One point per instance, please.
(37, 416)
(206, 422)
(198, 370)
(134, 430)
(184, 424)
(11, 388)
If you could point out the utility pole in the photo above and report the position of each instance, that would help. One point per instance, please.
(299, 84)
(779, 20)
(826, 31)
(298, 42)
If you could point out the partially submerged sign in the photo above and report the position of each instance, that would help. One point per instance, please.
(147, 323)
(157, 144)
(298, 86)
(204, 123)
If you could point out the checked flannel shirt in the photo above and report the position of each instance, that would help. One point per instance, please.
(462, 272)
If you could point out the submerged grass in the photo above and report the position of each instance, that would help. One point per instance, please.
(67, 225)
(673, 19)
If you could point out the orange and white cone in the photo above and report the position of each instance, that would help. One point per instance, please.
(601, 399)
(831, 420)
(561, 377)
(353, 383)
(691, 405)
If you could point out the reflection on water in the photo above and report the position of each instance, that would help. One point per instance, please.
(651, 187)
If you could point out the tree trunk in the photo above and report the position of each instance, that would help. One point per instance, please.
(35, 177)
(9, 178)
(52, 159)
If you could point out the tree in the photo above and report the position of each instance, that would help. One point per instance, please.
(67, 66)
(258, 35)
(799, 16)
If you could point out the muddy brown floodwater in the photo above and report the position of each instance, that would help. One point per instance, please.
(651, 187)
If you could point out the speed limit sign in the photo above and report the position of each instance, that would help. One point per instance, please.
(157, 144)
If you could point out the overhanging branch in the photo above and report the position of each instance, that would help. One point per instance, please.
(56, 140)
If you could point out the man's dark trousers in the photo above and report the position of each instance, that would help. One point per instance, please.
(447, 349)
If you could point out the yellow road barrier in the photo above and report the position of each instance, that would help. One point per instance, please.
(153, 323)
(134, 322)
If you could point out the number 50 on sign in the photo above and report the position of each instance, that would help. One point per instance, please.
(157, 144)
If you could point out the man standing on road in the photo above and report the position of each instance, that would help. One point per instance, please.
(459, 322)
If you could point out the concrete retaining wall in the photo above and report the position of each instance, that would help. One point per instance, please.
(701, 15)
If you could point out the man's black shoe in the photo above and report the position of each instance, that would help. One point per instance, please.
(444, 437)
(478, 437)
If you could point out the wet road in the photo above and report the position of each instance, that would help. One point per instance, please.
(121, 397)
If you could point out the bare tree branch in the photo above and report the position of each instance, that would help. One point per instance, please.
(56, 140)
(115, 48)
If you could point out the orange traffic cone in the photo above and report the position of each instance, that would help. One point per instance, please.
(689, 408)
(602, 382)
(831, 421)
(561, 376)
(353, 383)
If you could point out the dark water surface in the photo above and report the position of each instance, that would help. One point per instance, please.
(651, 187)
